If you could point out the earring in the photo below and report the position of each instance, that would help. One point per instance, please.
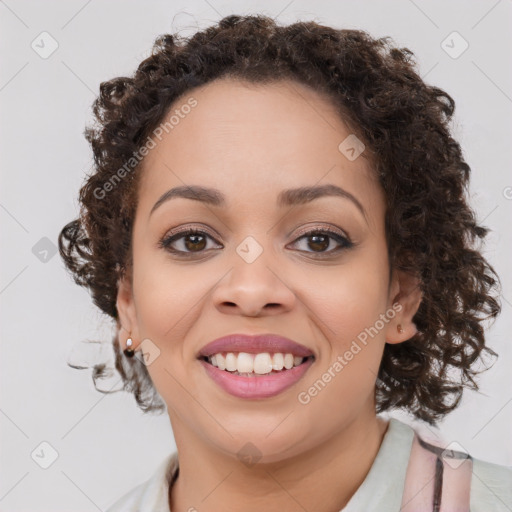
(399, 328)
(128, 351)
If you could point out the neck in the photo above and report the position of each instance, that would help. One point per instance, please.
(322, 479)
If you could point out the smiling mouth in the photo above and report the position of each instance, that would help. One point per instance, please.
(277, 363)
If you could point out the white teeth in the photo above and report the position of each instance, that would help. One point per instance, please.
(230, 362)
(221, 362)
(260, 364)
(288, 361)
(245, 363)
(278, 362)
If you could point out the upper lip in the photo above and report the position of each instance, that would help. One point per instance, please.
(254, 344)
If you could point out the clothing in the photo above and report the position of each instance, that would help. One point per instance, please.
(382, 489)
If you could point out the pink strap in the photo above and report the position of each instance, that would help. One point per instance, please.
(437, 479)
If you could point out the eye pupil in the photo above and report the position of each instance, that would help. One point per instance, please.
(318, 241)
(194, 244)
(322, 237)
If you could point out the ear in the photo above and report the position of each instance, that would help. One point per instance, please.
(127, 313)
(404, 291)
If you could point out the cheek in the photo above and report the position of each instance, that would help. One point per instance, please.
(165, 297)
(166, 302)
(351, 316)
(356, 296)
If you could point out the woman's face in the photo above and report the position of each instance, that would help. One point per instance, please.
(251, 143)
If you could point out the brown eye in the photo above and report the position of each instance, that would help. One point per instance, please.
(319, 241)
(192, 241)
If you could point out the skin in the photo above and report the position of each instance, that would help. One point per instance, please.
(251, 142)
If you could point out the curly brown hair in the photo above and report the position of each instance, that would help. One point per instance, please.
(431, 231)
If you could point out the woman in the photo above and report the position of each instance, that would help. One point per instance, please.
(278, 224)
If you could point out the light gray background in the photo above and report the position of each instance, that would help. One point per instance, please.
(105, 444)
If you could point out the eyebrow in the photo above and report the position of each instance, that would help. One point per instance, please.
(290, 197)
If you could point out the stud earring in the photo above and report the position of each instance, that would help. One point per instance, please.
(128, 351)
(399, 328)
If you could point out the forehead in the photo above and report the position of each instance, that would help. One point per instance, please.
(250, 139)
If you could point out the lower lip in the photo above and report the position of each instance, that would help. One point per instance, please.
(256, 387)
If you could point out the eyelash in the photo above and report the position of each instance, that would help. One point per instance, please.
(344, 242)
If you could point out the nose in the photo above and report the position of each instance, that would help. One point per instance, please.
(253, 289)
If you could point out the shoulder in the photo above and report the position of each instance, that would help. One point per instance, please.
(491, 487)
(151, 495)
(130, 502)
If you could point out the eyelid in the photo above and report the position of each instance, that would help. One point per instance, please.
(191, 227)
(325, 227)
(338, 235)
(174, 235)
(304, 230)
